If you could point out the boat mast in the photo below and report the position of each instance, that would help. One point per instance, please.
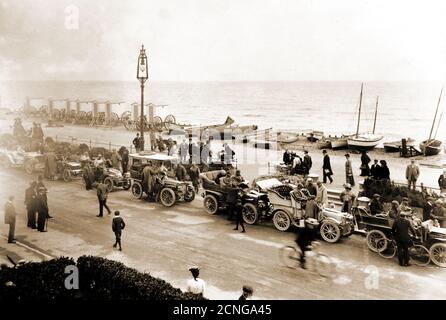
(359, 113)
(376, 112)
(438, 124)
(436, 111)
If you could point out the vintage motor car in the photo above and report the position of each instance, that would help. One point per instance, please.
(32, 162)
(171, 190)
(255, 203)
(430, 240)
(113, 178)
(68, 170)
(289, 208)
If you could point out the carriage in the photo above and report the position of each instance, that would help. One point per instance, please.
(429, 241)
(171, 190)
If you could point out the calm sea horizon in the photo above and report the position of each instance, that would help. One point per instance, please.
(405, 109)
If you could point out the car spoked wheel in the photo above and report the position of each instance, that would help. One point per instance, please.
(376, 241)
(167, 197)
(330, 231)
(137, 190)
(281, 220)
(249, 213)
(189, 196)
(438, 254)
(109, 184)
(210, 204)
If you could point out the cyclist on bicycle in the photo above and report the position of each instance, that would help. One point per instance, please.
(304, 237)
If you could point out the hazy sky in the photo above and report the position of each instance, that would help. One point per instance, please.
(224, 39)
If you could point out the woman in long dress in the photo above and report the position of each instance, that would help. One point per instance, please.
(365, 160)
(349, 171)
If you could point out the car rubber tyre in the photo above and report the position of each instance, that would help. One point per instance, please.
(330, 231)
(167, 197)
(210, 204)
(250, 215)
(189, 196)
(109, 184)
(281, 220)
(137, 190)
(438, 254)
(376, 241)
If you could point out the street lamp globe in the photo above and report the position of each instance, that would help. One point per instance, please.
(142, 73)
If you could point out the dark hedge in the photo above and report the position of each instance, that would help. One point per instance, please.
(99, 279)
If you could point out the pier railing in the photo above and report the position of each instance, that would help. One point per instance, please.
(92, 143)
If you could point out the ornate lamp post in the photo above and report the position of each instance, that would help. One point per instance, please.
(142, 75)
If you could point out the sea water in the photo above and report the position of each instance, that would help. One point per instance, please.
(405, 109)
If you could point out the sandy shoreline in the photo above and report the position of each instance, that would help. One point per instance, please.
(253, 161)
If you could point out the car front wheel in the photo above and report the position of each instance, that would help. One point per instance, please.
(167, 197)
(137, 190)
(250, 214)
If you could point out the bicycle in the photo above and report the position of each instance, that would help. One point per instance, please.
(321, 263)
(418, 253)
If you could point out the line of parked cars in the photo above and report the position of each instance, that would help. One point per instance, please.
(34, 162)
(267, 199)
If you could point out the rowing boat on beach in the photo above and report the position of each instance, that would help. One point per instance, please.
(339, 142)
(431, 147)
(395, 146)
(287, 137)
(314, 135)
(324, 143)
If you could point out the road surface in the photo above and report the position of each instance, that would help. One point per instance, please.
(166, 241)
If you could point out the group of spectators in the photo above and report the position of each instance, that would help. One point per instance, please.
(94, 170)
(188, 152)
(298, 164)
(36, 203)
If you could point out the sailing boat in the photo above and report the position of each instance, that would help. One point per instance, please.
(431, 146)
(364, 141)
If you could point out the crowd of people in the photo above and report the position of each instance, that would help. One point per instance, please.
(198, 152)
(378, 170)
